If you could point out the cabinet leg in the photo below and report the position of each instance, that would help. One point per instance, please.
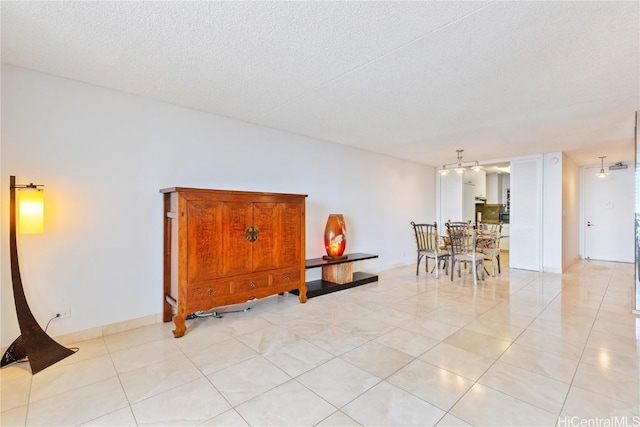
(181, 326)
(167, 312)
(302, 294)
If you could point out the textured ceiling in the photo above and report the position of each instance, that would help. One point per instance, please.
(414, 80)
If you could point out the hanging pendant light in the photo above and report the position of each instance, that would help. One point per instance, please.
(443, 171)
(602, 172)
(459, 167)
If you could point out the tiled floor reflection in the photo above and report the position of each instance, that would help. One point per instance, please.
(523, 348)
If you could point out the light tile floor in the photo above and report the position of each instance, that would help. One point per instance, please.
(524, 348)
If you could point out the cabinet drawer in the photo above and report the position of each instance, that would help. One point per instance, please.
(281, 279)
(207, 296)
(208, 292)
(254, 283)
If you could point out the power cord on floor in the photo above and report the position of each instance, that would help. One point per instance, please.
(213, 313)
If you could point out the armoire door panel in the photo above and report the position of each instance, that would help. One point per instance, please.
(236, 256)
(204, 243)
(289, 250)
(266, 218)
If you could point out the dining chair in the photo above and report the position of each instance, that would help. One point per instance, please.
(428, 246)
(460, 223)
(465, 223)
(462, 238)
(488, 243)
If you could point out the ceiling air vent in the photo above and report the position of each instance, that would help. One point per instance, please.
(617, 166)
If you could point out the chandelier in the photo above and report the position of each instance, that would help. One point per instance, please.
(459, 165)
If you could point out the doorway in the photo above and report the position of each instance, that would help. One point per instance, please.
(497, 204)
(609, 215)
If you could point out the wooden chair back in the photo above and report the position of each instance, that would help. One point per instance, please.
(427, 238)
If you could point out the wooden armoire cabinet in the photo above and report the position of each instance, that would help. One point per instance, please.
(226, 247)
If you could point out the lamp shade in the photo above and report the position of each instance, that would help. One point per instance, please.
(30, 210)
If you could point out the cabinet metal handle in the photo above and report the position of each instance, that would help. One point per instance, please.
(251, 234)
(252, 284)
(210, 291)
(286, 277)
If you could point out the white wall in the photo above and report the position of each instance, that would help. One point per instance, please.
(450, 199)
(103, 155)
(494, 188)
(455, 199)
(526, 214)
(570, 212)
(552, 206)
(561, 212)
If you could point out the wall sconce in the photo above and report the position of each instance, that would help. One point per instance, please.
(459, 165)
(33, 343)
(602, 172)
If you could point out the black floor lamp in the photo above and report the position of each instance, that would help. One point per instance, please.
(33, 343)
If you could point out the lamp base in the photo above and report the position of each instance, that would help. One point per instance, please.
(15, 353)
(334, 258)
(44, 352)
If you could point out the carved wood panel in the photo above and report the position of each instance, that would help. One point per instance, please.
(204, 240)
(266, 217)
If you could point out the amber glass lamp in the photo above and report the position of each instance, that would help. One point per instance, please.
(335, 237)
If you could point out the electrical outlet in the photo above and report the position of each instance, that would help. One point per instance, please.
(62, 314)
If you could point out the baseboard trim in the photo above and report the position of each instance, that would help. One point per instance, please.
(106, 330)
